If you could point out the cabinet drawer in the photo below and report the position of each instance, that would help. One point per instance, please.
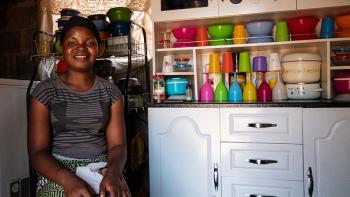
(266, 161)
(271, 125)
(245, 187)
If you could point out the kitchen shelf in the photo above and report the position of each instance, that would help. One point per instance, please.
(340, 67)
(177, 73)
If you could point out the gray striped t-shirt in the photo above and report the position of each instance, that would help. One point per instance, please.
(78, 119)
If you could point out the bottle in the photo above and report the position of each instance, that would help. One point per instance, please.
(235, 92)
(158, 88)
(207, 92)
(221, 93)
(279, 92)
(189, 92)
(249, 91)
(264, 91)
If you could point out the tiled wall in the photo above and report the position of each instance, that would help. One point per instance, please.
(19, 21)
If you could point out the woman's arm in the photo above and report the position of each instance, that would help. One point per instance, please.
(113, 181)
(39, 147)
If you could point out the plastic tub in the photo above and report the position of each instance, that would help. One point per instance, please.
(301, 68)
(342, 83)
(176, 86)
(304, 91)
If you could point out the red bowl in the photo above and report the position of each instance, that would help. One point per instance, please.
(304, 36)
(341, 59)
(184, 33)
(342, 83)
(303, 24)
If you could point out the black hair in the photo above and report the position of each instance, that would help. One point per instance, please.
(78, 21)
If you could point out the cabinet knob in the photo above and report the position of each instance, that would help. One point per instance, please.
(216, 176)
(235, 1)
(310, 182)
(261, 125)
(258, 195)
(262, 161)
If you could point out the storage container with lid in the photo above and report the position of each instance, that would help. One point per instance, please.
(301, 68)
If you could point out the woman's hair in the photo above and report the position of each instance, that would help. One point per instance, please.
(78, 21)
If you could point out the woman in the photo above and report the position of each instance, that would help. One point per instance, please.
(77, 119)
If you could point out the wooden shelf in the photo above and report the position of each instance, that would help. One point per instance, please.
(340, 67)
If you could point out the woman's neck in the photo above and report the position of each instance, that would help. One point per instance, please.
(79, 81)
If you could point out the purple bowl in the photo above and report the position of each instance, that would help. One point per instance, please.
(259, 64)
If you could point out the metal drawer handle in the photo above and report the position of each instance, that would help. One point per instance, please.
(261, 125)
(258, 195)
(262, 161)
(310, 182)
(216, 177)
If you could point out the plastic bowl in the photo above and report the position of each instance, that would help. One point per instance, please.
(341, 59)
(184, 33)
(69, 12)
(342, 83)
(101, 25)
(119, 14)
(220, 31)
(341, 51)
(118, 28)
(176, 86)
(303, 24)
(182, 67)
(182, 60)
(342, 22)
(343, 33)
(260, 27)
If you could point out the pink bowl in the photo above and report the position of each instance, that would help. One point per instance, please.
(184, 33)
(303, 24)
(342, 83)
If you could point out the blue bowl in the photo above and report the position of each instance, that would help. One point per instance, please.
(259, 27)
(176, 86)
(101, 25)
(260, 40)
(118, 28)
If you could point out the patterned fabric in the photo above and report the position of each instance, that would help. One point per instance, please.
(47, 188)
(78, 119)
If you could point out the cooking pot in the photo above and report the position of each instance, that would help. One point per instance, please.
(301, 68)
(342, 83)
(304, 91)
(176, 86)
(134, 85)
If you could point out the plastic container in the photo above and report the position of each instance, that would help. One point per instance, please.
(176, 86)
(301, 68)
(184, 33)
(119, 14)
(158, 84)
(304, 91)
(342, 83)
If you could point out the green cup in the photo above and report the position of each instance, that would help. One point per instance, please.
(282, 33)
(244, 62)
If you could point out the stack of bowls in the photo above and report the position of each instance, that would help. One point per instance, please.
(220, 34)
(260, 31)
(184, 36)
(66, 14)
(343, 26)
(341, 56)
(303, 28)
(301, 72)
(120, 18)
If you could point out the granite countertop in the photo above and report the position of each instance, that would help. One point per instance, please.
(286, 103)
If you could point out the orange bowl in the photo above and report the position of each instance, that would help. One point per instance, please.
(343, 22)
(343, 33)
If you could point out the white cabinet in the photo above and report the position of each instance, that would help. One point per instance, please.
(326, 151)
(160, 14)
(309, 4)
(184, 152)
(226, 7)
(261, 152)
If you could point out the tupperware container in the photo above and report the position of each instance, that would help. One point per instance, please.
(342, 83)
(119, 14)
(301, 68)
(176, 86)
(304, 91)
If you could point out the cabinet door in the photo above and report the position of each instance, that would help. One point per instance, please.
(326, 151)
(169, 10)
(308, 4)
(226, 7)
(184, 152)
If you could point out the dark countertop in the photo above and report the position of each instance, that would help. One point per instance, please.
(286, 103)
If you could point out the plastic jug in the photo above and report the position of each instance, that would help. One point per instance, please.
(207, 92)
(235, 92)
(249, 91)
(264, 92)
(221, 93)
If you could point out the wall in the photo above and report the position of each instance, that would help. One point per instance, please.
(18, 23)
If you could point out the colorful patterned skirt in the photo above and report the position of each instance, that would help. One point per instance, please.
(47, 188)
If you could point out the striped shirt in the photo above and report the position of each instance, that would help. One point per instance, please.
(78, 119)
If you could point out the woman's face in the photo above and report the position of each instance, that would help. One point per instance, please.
(80, 49)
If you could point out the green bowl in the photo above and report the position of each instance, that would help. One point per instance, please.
(119, 14)
(220, 42)
(220, 31)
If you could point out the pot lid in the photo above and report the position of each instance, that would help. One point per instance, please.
(295, 57)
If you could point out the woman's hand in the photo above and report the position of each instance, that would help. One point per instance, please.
(75, 187)
(115, 186)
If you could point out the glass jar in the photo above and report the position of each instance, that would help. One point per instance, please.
(158, 88)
